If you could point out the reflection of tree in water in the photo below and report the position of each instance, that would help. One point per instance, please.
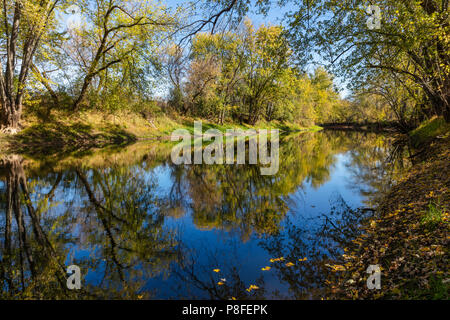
(112, 213)
(31, 263)
(118, 216)
(202, 282)
(319, 240)
(375, 166)
(174, 203)
(235, 197)
(239, 198)
(127, 226)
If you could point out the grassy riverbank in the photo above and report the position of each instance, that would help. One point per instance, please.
(409, 237)
(62, 134)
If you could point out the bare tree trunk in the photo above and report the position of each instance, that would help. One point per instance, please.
(10, 117)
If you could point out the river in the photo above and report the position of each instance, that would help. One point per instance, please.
(140, 227)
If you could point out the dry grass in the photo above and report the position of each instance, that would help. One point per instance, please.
(63, 133)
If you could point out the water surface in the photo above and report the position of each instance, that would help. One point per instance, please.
(140, 227)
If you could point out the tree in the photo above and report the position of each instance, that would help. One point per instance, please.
(175, 66)
(412, 43)
(116, 32)
(245, 70)
(200, 86)
(25, 24)
(225, 51)
(267, 56)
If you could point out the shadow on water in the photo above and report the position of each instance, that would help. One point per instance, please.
(140, 227)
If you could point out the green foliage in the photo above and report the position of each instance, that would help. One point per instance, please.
(249, 76)
(429, 130)
(433, 215)
(437, 290)
(408, 54)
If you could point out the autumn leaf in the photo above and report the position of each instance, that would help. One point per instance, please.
(252, 287)
(289, 264)
(276, 259)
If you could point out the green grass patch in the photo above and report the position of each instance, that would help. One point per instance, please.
(188, 124)
(437, 289)
(429, 130)
(434, 214)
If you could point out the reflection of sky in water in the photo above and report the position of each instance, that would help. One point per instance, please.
(213, 247)
(307, 203)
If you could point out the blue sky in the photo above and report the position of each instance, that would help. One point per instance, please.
(274, 16)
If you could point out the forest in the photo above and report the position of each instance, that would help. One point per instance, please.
(144, 57)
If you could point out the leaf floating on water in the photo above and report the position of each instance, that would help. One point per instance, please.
(267, 268)
(304, 259)
(276, 259)
(252, 287)
(216, 270)
(220, 283)
(289, 264)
